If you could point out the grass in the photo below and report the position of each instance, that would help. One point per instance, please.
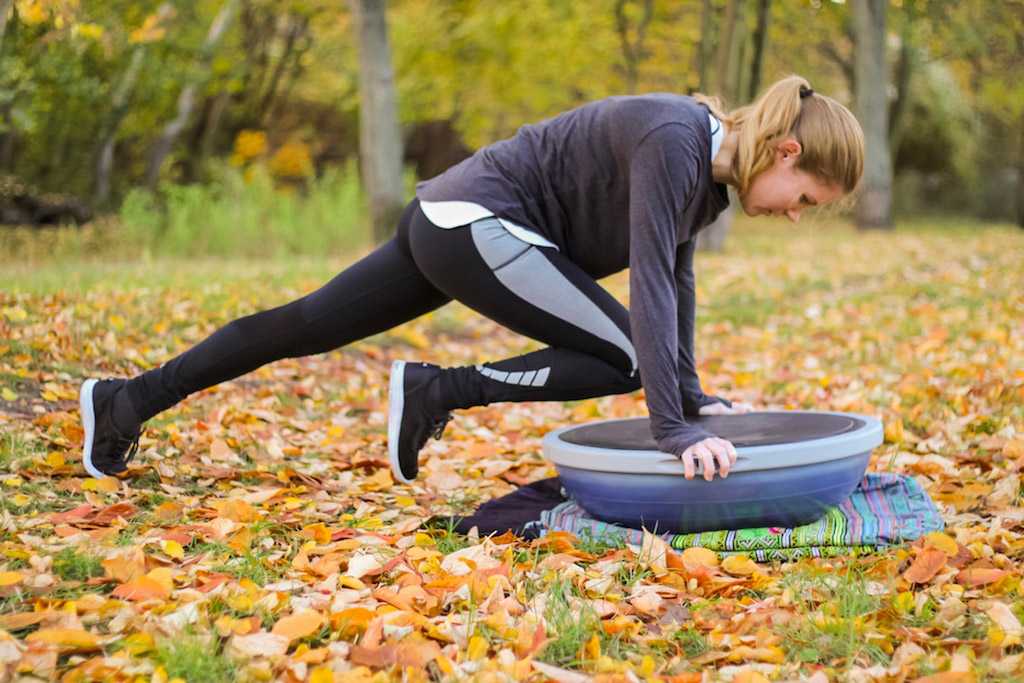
(250, 566)
(72, 565)
(839, 608)
(196, 660)
(15, 447)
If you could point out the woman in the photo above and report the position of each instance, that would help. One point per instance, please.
(520, 232)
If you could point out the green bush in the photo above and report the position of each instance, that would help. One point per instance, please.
(245, 215)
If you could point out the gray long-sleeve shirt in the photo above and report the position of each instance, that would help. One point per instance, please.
(620, 182)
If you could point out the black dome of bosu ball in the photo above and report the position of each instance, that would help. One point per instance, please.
(791, 467)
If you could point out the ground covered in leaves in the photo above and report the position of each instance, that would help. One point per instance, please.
(259, 536)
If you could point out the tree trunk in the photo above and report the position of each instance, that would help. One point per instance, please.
(712, 238)
(632, 52)
(1020, 173)
(704, 48)
(904, 71)
(5, 9)
(210, 128)
(187, 98)
(118, 110)
(380, 144)
(874, 207)
(760, 39)
(724, 83)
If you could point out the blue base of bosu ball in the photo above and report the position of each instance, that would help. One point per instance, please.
(791, 467)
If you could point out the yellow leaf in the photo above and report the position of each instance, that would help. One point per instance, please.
(67, 639)
(404, 501)
(346, 581)
(700, 556)
(942, 542)
(593, 648)
(173, 549)
(21, 500)
(54, 459)
(104, 485)
(10, 578)
(139, 643)
(739, 565)
(904, 602)
(15, 313)
(299, 625)
(894, 431)
(321, 674)
(477, 649)
(8, 395)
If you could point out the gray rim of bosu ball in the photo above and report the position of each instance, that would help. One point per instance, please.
(840, 435)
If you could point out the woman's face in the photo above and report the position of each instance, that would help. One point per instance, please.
(784, 190)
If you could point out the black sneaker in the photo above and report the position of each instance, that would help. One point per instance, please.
(413, 415)
(109, 444)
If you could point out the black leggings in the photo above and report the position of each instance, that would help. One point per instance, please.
(533, 290)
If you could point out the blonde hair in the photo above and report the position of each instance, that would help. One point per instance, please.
(831, 139)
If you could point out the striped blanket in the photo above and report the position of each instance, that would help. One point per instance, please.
(885, 509)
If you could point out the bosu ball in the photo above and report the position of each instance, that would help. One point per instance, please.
(791, 467)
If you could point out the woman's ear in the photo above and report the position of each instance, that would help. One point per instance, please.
(789, 147)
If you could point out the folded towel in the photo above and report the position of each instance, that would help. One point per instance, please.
(885, 509)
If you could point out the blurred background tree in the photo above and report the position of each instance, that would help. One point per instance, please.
(101, 99)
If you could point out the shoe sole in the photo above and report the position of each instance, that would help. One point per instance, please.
(89, 425)
(396, 404)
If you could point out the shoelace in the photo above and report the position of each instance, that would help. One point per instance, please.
(132, 443)
(439, 426)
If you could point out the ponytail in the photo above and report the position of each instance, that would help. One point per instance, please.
(831, 139)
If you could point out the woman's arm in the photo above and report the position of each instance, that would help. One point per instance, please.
(663, 180)
(693, 396)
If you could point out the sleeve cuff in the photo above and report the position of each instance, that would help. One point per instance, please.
(679, 442)
(694, 402)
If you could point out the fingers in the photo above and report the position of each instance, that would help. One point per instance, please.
(707, 452)
(687, 458)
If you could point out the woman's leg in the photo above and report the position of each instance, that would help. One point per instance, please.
(382, 290)
(537, 292)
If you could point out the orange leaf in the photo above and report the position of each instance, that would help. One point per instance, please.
(352, 621)
(142, 588)
(236, 510)
(67, 639)
(979, 576)
(925, 566)
(10, 578)
(299, 625)
(948, 677)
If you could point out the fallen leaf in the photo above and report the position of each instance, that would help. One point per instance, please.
(701, 557)
(259, 645)
(925, 566)
(739, 565)
(66, 639)
(979, 576)
(299, 625)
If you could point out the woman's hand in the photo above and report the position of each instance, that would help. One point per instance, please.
(718, 408)
(708, 451)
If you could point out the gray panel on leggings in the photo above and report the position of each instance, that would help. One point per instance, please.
(527, 273)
